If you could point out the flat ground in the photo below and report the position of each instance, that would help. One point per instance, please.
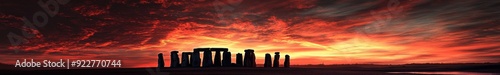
(295, 70)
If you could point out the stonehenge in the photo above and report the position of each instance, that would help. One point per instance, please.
(193, 59)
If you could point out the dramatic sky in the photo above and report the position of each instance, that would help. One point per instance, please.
(310, 31)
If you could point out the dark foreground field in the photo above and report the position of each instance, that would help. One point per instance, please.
(480, 69)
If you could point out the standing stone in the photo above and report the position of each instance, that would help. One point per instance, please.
(287, 61)
(185, 59)
(207, 58)
(246, 59)
(276, 63)
(226, 59)
(239, 59)
(161, 63)
(195, 58)
(174, 59)
(249, 60)
(217, 59)
(268, 61)
(254, 64)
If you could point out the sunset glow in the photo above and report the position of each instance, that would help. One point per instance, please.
(310, 31)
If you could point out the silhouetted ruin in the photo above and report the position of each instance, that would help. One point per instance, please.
(267, 60)
(174, 59)
(217, 58)
(192, 59)
(287, 61)
(249, 60)
(276, 62)
(195, 58)
(226, 59)
(185, 59)
(161, 63)
(207, 57)
(239, 59)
